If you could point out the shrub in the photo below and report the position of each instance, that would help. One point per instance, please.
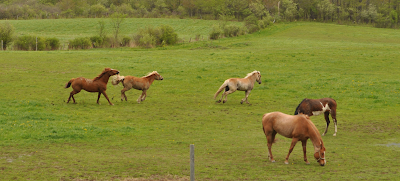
(251, 22)
(151, 37)
(126, 41)
(80, 43)
(52, 43)
(231, 30)
(28, 42)
(97, 41)
(215, 32)
(168, 35)
(6, 32)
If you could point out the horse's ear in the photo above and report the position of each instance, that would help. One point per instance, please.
(107, 69)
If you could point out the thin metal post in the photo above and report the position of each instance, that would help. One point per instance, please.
(191, 162)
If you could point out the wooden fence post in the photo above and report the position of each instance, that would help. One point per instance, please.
(1, 45)
(192, 162)
(36, 43)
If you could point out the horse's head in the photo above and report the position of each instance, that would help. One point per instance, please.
(258, 78)
(111, 72)
(158, 76)
(320, 155)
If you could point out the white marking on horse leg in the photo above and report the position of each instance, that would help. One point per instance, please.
(334, 120)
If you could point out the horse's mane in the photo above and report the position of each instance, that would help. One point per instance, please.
(101, 74)
(150, 74)
(251, 73)
(295, 112)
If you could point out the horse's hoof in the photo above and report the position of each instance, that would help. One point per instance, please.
(334, 134)
(273, 161)
(307, 163)
(286, 162)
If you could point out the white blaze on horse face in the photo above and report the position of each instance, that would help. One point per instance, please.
(324, 108)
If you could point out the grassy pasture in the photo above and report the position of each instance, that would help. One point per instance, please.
(43, 138)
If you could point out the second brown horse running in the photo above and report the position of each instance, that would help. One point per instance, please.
(139, 83)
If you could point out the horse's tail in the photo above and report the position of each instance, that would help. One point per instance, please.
(69, 83)
(223, 86)
(116, 79)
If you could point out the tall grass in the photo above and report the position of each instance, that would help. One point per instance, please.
(44, 138)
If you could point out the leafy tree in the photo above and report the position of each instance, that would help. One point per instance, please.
(116, 21)
(6, 32)
(97, 10)
(289, 9)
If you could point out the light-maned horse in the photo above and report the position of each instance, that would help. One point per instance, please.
(299, 128)
(315, 107)
(139, 83)
(243, 84)
(98, 84)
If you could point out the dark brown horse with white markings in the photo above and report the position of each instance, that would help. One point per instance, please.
(243, 84)
(139, 83)
(98, 84)
(315, 107)
(299, 128)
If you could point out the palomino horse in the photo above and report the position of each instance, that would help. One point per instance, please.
(142, 83)
(98, 84)
(299, 128)
(316, 107)
(242, 84)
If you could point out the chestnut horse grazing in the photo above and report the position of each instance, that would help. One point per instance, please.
(142, 83)
(316, 107)
(242, 84)
(299, 128)
(98, 84)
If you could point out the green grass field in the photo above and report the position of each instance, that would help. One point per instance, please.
(44, 138)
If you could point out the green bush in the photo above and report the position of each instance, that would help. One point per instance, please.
(168, 35)
(6, 32)
(80, 43)
(28, 42)
(126, 41)
(251, 22)
(151, 37)
(231, 30)
(52, 43)
(97, 41)
(215, 32)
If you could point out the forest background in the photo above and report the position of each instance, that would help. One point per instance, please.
(378, 13)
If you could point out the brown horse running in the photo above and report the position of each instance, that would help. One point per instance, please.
(243, 84)
(98, 84)
(139, 83)
(299, 128)
(316, 107)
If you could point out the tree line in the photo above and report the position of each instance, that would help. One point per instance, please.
(379, 13)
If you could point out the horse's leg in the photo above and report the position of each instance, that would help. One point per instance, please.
(71, 95)
(221, 97)
(140, 97)
(144, 95)
(230, 91)
(123, 94)
(327, 122)
(270, 140)
(105, 95)
(304, 143)
(294, 141)
(333, 114)
(246, 96)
